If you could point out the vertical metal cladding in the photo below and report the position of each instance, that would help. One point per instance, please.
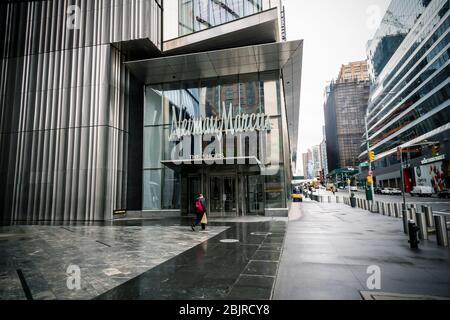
(64, 101)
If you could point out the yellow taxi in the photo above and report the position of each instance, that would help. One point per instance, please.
(297, 197)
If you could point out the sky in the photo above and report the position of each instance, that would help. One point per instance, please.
(335, 32)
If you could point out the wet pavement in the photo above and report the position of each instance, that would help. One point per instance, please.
(322, 253)
(329, 248)
(142, 259)
(215, 269)
(107, 255)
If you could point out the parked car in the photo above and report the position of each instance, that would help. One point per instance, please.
(422, 191)
(444, 194)
(377, 190)
(386, 191)
(396, 191)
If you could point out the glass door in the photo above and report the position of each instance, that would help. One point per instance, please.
(222, 196)
(255, 195)
(215, 196)
(229, 196)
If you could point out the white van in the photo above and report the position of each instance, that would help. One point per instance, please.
(422, 191)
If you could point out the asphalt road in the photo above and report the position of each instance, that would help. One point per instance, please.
(437, 204)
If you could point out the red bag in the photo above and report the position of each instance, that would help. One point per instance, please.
(198, 206)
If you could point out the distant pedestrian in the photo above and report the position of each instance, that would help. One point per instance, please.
(201, 214)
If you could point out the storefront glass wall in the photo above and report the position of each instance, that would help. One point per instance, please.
(247, 94)
(196, 15)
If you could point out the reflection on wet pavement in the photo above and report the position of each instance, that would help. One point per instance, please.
(107, 256)
(215, 270)
(142, 259)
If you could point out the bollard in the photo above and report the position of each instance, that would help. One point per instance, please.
(396, 210)
(441, 231)
(413, 231)
(329, 199)
(405, 215)
(377, 207)
(422, 225)
(429, 216)
(389, 210)
(412, 215)
(383, 208)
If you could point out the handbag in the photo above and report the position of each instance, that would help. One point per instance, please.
(204, 219)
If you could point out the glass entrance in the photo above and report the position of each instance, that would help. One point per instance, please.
(223, 196)
(255, 195)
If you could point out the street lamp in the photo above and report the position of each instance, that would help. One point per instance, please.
(371, 157)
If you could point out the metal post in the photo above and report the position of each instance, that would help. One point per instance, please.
(396, 210)
(405, 220)
(441, 231)
(429, 216)
(370, 162)
(412, 215)
(403, 177)
(422, 224)
(389, 209)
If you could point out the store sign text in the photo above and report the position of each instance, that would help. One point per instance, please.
(242, 123)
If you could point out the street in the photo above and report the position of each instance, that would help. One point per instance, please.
(437, 204)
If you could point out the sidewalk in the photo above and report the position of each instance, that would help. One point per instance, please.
(329, 247)
(159, 259)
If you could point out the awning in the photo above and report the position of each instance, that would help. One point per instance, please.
(255, 29)
(188, 165)
(219, 63)
(284, 56)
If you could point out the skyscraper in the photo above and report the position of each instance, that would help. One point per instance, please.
(410, 97)
(99, 112)
(345, 107)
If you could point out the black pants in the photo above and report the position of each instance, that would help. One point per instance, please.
(198, 221)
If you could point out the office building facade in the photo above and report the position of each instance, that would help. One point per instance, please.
(99, 113)
(345, 107)
(307, 164)
(409, 102)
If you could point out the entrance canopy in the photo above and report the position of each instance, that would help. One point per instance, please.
(193, 165)
(217, 63)
(285, 57)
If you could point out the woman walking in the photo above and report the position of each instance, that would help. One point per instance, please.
(200, 209)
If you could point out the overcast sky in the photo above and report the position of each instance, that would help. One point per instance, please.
(335, 32)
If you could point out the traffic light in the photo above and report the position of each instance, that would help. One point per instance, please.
(371, 155)
(435, 150)
(369, 180)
